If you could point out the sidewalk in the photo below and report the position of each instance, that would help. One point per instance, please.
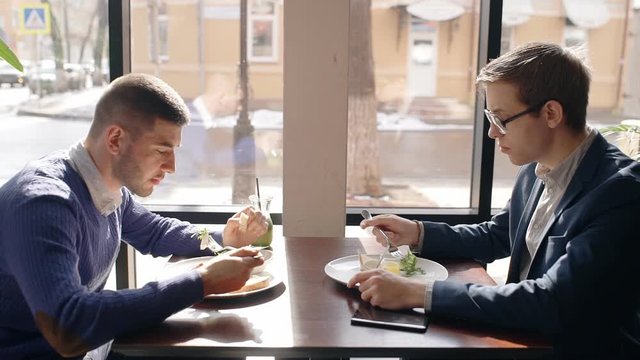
(74, 105)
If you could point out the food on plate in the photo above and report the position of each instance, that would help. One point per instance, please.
(255, 282)
(409, 265)
(391, 265)
(205, 238)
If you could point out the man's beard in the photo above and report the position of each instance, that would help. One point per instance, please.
(129, 173)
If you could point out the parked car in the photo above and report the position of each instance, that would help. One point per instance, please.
(96, 76)
(42, 77)
(45, 76)
(9, 75)
(76, 76)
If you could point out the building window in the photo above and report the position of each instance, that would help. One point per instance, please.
(575, 36)
(263, 31)
(506, 39)
(158, 32)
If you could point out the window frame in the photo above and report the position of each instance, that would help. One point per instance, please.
(482, 157)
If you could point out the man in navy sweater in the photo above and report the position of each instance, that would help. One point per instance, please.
(571, 226)
(63, 217)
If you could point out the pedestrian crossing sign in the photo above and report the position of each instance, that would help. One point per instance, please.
(35, 19)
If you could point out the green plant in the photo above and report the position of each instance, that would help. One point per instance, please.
(626, 136)
(7, 54)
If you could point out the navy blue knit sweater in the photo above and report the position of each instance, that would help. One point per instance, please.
(57, 250)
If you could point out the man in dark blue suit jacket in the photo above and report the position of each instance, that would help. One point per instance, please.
(571, 226)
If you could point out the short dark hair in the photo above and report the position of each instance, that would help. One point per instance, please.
(135, 101)
(544, 71)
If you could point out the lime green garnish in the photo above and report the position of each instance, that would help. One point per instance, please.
(409, 265)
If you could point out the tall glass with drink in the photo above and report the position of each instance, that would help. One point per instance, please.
(263, 205)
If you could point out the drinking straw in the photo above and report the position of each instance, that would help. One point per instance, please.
(258, 191)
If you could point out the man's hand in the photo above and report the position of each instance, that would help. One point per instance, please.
(230, 271)
(400, 231)
(386, 290)
(239, 233)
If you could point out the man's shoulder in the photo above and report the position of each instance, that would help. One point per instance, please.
(618, 166)
(616, 181)
(51, 175)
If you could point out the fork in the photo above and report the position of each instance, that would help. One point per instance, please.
(391, 249)
(222, 250)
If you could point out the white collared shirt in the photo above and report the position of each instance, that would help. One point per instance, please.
(555, 182)
(104, 200)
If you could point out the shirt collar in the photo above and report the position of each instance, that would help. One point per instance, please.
(104, 200)
(562, 174)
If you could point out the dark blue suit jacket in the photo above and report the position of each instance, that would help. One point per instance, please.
(585, 278)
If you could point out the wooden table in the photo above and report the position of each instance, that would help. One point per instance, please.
(308, 315)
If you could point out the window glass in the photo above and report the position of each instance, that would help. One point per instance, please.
(63, 46)
(235, 133)
(236, 104)
(411, 101)
(602, 32)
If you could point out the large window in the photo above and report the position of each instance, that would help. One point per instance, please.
(411, 102)
(235, 97)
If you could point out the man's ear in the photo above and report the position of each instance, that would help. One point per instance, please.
(553, 112)
(115, 136)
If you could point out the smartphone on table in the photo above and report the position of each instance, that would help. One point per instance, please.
(407, 320)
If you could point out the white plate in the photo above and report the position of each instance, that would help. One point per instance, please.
(173, 269)
(342, 269)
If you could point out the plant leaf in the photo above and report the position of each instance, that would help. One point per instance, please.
(7, 54)
(619, 128)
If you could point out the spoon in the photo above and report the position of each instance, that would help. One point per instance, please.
(392, 249)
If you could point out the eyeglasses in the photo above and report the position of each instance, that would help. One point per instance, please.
(502, 124)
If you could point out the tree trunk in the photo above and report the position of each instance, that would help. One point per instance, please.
(363, 173)
(58, 51)
(99, 46)
(87, 36)
(67, 36)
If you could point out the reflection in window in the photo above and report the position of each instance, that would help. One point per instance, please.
(410, 100)
(213, 167)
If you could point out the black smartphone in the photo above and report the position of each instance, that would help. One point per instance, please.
(407, 320)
